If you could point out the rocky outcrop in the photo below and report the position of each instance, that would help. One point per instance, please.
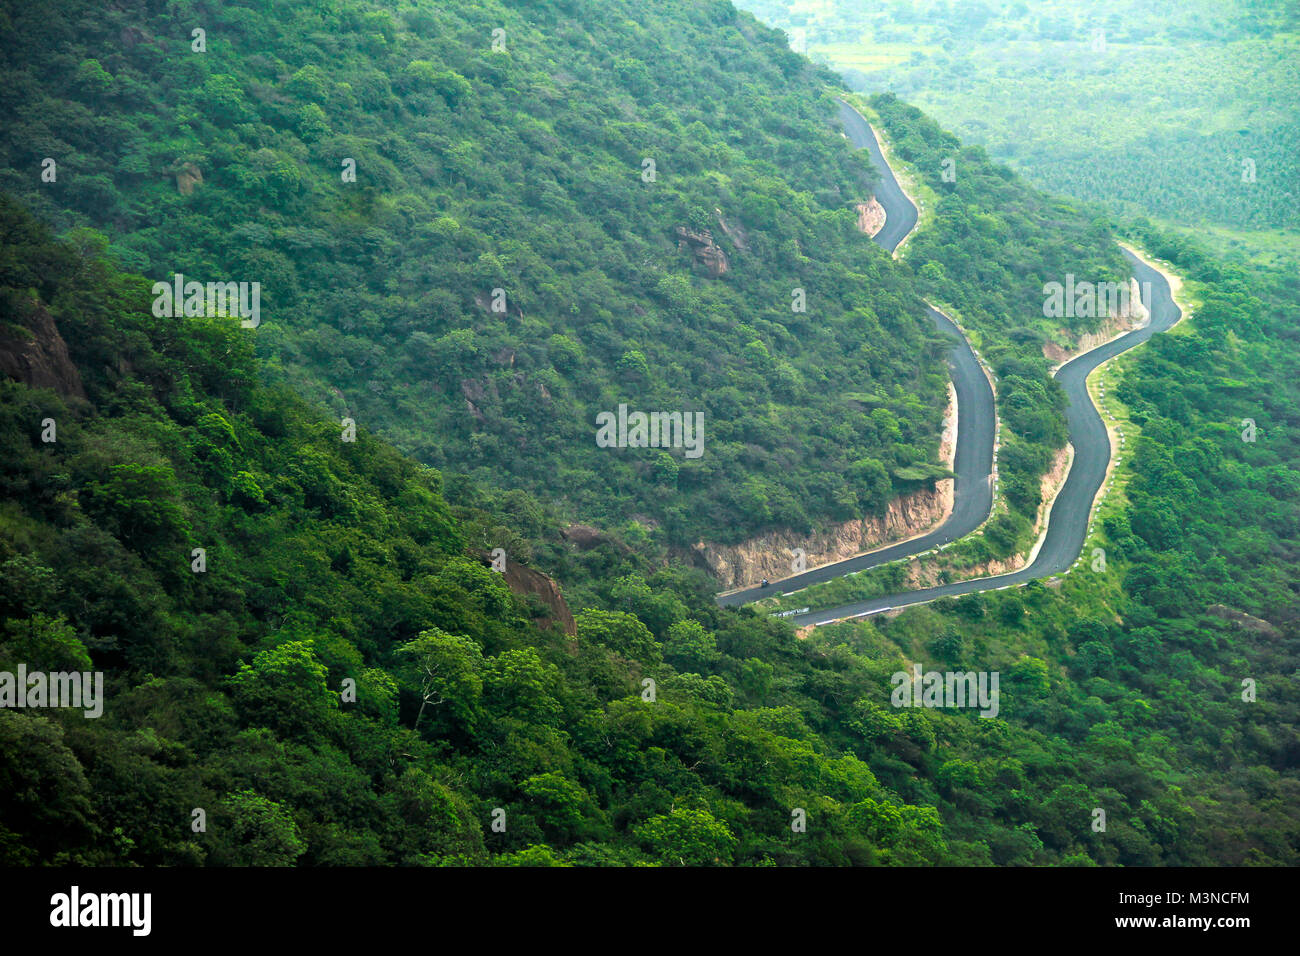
(187, 177)
(737, 234)
(769, 555)
(527, 582)
(704, 251)
(37, 355)
(475, 391)
(1134, 316)
(871, 216)
(584, 537)
(1256, 625)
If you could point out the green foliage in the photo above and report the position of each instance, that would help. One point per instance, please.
(256, 831)
(1199, 80)
(344, 683)
(685, 837)
(479, 170)
(333, 564)
(284, 689)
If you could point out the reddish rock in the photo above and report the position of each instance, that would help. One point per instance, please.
(40, 357)
(525, 581)
(704, 250)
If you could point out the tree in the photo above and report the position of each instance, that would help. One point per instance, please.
(690, 647)
(445, 670)
(285, 689)
(684, 837)
(520, 684)
(620, 632)
(558, 804)
(140, 504)
(251, 830)
(535, 854)
(47, 808)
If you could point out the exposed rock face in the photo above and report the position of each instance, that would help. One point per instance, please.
(525, 581)
(1256, 625)
(584, 537)
(704, 250)
(131, 36)
(735, 233)
(40, 358)
(871, 216)
(474, 390)
(769, 555)
(187, 177)
(1134, 316)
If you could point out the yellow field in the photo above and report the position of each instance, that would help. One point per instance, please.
(866, 55)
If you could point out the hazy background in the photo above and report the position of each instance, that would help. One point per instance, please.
(1153, 106)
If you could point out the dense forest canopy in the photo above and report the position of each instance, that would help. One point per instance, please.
(516, 162)
(331, 561)
(301, 627)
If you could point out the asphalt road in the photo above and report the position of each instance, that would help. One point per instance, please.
(973, 459)
(1067, 527)
(900, 214)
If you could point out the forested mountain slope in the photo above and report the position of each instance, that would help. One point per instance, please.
(330, 561)
(516, 161)
(518, 169)
(327, 561)
(340, 678)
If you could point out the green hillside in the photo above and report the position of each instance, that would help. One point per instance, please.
(309, 657)
(328, 561)
(518, 169)
(1182, 109)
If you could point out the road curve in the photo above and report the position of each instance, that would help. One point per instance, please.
(1068, 520)
(1067, 527)
(900, 213)
(976, 410)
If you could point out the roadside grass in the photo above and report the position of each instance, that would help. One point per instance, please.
(986, 630)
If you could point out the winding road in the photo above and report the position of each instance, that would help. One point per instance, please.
(976, 410)
(900, 213)
(1067, 525)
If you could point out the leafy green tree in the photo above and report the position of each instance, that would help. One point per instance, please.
(446, 672)
(284, 688)
(684, 837)
(619, 631)
(251, 830)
